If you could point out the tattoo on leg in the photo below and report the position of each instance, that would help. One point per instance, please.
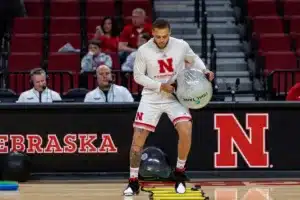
(135, 156)
(139, 130)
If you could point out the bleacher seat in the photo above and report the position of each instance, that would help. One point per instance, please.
(294, 22)
(19, 82)
(21, 24)
(76, 94)
(64, 61)
(283, 82)
(58, 41)
(64, 25)
(92, 23)
(60, 83)
(96, 8)
(133, 86)
(115, 60)
(27, 43)
(8, 95)
(271, 41)
(21, 62)
(34, 8)
(261, 8)
(279, 60)
(91, 82)
(266, 42)
(24, 61)
(130, 5)
(270, 24)
(296, 40)
(291, 7)
(65, 8)
(90, 36)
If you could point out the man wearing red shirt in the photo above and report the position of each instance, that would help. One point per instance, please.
(129, 37)
(294, 93)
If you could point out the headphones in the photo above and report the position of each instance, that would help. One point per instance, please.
(36, 71)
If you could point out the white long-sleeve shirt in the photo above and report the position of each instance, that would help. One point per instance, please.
(116, 93)
(127, 66)
(32, 96)
(154, 66)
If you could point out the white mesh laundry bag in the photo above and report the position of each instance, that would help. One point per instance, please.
(194, 91)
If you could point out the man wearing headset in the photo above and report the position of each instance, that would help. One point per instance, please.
(106, 90)
(39, 93)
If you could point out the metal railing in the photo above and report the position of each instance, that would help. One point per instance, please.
(231, 89)
(4, 51)
(153, 10)
(204, 31)
(280, 81)
(197, 12)
(83, 29)
(213, 59)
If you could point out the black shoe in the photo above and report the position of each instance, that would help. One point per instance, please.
(180, 178)
(133, 187)
(179, 175)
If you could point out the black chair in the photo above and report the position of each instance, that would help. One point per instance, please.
(76, 94)
(8, 96)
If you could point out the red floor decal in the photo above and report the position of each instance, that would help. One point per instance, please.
(201, 183)
(272, 183)
(226, 183)
(221, 183)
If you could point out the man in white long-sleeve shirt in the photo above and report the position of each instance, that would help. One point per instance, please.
(106, 90)
(39, 93)
(157, 63)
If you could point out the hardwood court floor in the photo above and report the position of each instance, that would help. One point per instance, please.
(228, 190)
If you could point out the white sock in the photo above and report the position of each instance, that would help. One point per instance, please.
(180, 164)
(134, 172)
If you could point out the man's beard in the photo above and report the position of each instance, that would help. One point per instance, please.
(159, 46)
(41, 89)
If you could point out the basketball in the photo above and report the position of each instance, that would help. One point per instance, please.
(194, 91)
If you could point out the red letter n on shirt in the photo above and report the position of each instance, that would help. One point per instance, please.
(166, 65)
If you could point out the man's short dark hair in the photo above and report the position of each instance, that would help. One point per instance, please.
(37, 71)
(161, 24)
(95, 42)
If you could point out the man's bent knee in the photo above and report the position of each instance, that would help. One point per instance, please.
(184, 127)
(139, 138)
(140, 131)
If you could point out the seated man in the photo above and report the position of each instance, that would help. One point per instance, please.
(95, 57)
(294, 93)
(106, 90)
(128, 65)
(129, 36)
(40, 93)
